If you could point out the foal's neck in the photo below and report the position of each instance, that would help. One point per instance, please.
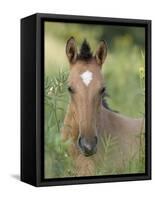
(115, 123)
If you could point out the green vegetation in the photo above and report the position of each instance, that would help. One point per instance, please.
(124, 77)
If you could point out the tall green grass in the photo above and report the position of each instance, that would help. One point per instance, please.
(57, 162)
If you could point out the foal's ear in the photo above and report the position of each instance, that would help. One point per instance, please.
(101, 53)
(71, 50)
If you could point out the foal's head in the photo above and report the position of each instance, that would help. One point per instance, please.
(86, 87)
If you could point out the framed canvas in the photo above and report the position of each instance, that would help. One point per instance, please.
(85, 99)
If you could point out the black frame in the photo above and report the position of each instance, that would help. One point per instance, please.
(32, 99)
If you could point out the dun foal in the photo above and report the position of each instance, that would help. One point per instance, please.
(88, 119)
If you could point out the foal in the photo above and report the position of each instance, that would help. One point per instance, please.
(88, 118)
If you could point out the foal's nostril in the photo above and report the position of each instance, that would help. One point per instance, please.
(88, 147)
(80, 142)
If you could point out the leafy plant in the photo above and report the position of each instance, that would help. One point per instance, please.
(57, 161)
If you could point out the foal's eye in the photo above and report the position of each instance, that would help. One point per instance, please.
(102, 91)
(70, 90)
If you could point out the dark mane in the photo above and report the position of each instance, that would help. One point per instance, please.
(105, 104)
(85, 51)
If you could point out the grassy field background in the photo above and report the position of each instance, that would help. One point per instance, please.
(124, 72)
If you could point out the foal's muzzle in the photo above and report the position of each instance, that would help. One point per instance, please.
(87, 147)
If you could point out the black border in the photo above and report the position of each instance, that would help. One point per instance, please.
(41, 18)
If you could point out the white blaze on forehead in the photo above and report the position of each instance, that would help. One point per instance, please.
(87, 77)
